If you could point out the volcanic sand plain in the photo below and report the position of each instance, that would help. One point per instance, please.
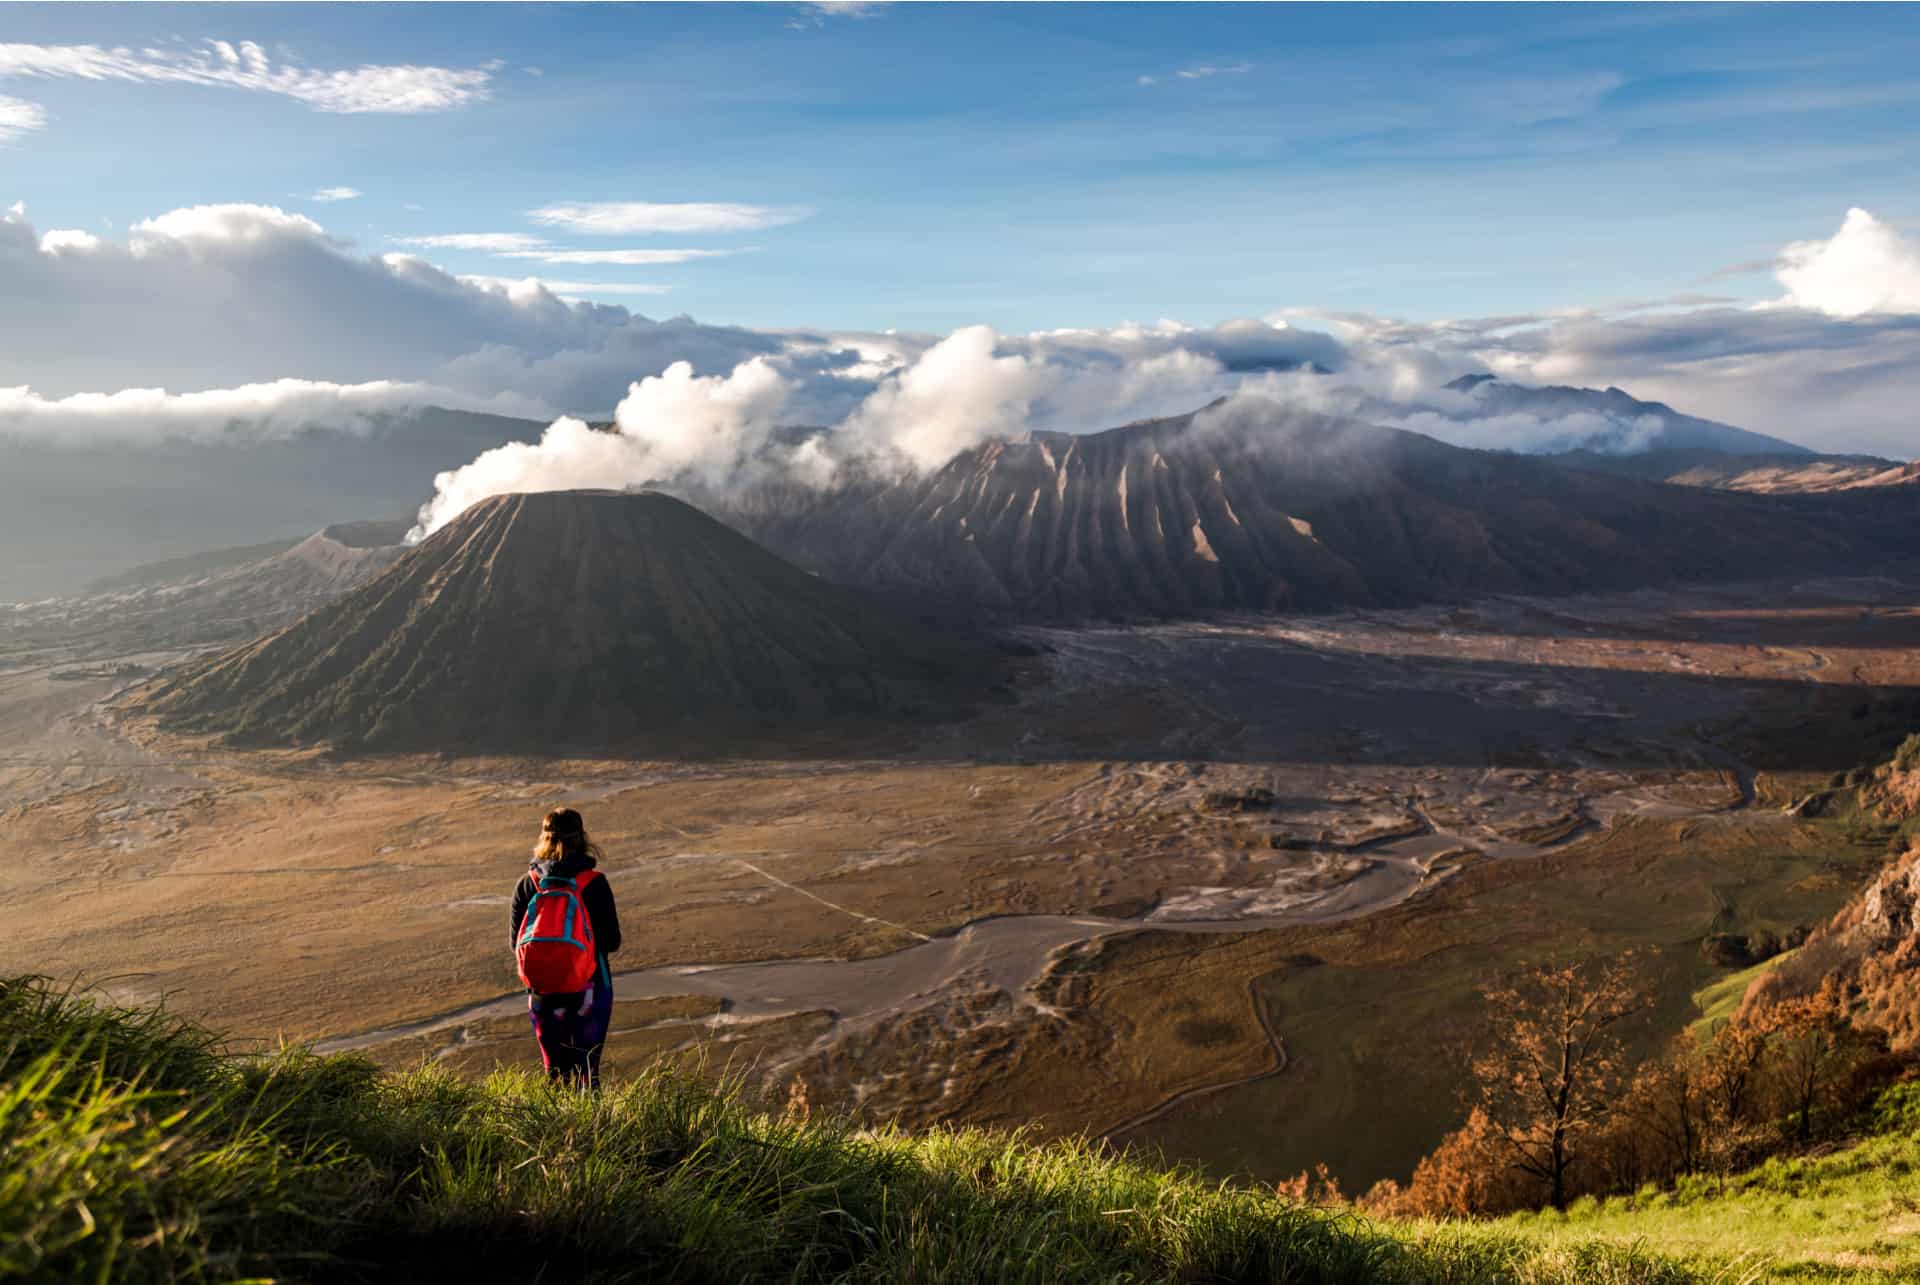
(1220, 888)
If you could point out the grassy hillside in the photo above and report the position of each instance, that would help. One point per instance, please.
(137, 1150)
(1851, 1215)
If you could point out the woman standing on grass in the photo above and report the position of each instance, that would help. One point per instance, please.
(564, 927)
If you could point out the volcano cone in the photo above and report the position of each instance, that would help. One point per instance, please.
(576, 621)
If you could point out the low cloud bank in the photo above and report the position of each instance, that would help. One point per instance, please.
(273, 324)
(231, 416)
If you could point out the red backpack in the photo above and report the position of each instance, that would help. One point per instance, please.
(555, 951)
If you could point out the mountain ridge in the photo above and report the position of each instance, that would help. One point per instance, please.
(1633, 426)
(1258, 506)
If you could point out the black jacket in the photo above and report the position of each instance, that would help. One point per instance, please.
(597, 897)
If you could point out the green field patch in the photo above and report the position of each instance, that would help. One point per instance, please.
(1720, 999)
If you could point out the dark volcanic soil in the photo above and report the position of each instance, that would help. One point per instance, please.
(539, 622)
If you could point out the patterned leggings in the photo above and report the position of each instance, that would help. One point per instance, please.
(571, 1030)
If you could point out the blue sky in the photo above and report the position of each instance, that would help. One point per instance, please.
(1034, 166)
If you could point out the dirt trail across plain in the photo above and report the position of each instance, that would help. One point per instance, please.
(1009, 953)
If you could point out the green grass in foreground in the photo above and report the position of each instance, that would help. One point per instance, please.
(137, 1151)
(1851, 1215)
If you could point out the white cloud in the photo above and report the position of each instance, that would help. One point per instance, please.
(1199, 71)
(524, 245)
(225, 295)
(404, 89)
(818, 12)
(1865, 267)
(527, 286)
(218, 223)
(1208, 70)
(625, 258)
(233, 296)
(613, 218)
(1844, 384)
(18, 116)
(63, 239)
(329, 194)
(489, 242)
(253, 412)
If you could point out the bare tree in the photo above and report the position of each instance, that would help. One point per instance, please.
(1664, 1120)
(1555, 1065)
(1814, 1049)
(1732, 1066)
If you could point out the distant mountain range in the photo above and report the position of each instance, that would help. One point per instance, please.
(214, 598)
(1255, 505)
(1605, 421)
(71, 515)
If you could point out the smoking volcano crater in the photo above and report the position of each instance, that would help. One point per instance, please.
(578, 621)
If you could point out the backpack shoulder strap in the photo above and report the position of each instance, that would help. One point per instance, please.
(584, 878)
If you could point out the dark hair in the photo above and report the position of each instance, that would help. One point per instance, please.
(563, 834)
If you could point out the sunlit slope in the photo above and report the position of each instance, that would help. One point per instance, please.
(574, 620)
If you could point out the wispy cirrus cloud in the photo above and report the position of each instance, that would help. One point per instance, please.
(401, 88)
(330, 194)
(817, 13)
(1199, 71)
(1533, 100)
(18, 116)
(616, 218)
(524, 245)
(622, 258)
(485, 242)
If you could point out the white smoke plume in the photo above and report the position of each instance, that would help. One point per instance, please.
(669, 425)
(924, 402)
(956, 395)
